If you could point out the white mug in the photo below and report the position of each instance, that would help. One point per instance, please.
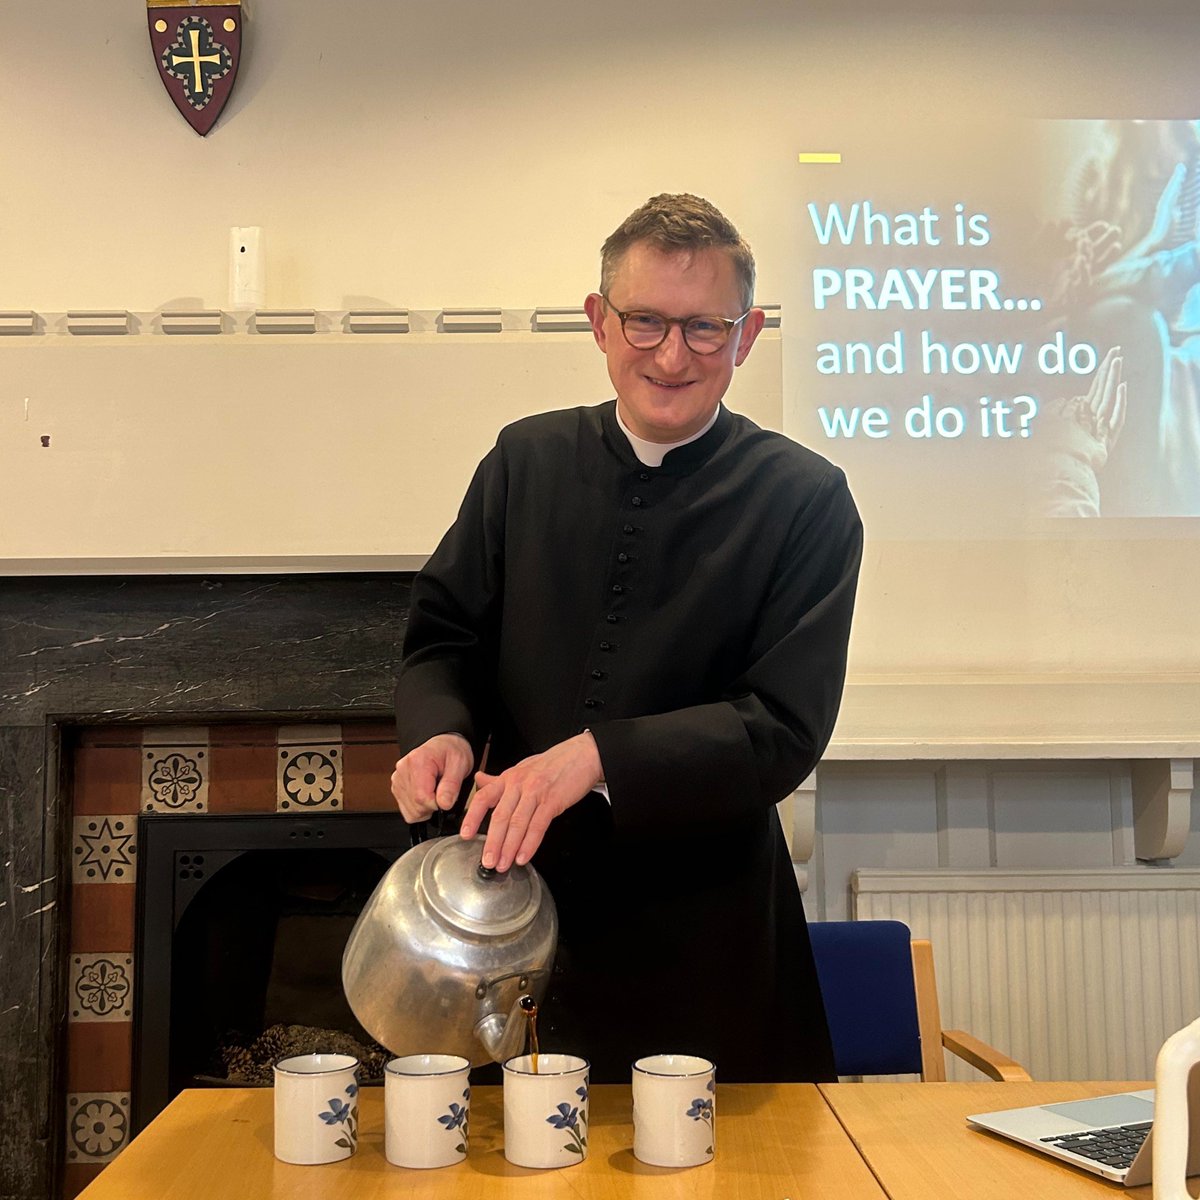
(674, 1110)
(426, 1102)
(316, 1108)
(546, 1114)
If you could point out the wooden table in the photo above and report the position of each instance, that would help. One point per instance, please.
(774, 1142)
(915, 1138)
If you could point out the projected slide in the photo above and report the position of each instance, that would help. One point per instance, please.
(994, 326)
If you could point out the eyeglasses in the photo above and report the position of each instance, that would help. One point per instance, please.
(702, 334)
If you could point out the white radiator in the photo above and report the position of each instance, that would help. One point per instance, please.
(1075, 974)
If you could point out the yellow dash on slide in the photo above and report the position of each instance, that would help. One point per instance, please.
(819, 156)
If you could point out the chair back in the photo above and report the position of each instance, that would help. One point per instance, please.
(865, 969)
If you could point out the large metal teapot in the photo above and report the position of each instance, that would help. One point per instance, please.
(445, 948)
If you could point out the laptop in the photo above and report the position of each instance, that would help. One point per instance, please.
(1107, 1135)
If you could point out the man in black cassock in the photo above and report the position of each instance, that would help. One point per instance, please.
(644, 606)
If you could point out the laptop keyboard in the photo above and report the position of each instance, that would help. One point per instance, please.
(1114, 1147)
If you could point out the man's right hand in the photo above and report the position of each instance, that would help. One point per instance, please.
(431, 776)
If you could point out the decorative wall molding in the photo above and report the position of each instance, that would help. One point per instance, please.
(389, 320)
(243, 322)
(560, 320)
(1162, 806)
(108, 321)
(297, 320)
(18, 322)
(471, 320)
(205, 321)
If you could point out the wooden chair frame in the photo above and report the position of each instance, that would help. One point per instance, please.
(934, 1038)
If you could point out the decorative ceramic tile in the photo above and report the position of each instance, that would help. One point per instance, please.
(101, 987)
(309, 778)
(97, 1125)
(104, 849)
(175, 777)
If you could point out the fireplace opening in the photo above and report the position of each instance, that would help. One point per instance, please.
(242, 924)
(261, 946)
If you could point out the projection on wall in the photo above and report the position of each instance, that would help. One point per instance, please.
(995, 327)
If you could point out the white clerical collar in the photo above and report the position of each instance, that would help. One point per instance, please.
(651, 454)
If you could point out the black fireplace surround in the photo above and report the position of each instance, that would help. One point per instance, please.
(194, 649)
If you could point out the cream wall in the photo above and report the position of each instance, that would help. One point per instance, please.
(476, 151)
(475, 154)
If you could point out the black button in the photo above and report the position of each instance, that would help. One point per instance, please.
(622, 557)
(644, 477)
(606, 645)
(627, 529)
(597, 674)
(612, 618)
(617, 588)
(592, 702)
(636, 502)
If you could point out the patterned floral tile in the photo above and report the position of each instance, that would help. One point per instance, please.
(175, 770)
(309, 778)
(104, 849)
(97, 1126)
(101, 987)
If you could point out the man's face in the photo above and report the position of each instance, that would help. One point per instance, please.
(669, 393)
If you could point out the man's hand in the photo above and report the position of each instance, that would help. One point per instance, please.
(524, 799)
(431, 776)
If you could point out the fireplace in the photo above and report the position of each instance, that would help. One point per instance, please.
(174, 704)
(241, 925)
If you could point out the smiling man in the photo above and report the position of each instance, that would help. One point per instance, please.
(642, 611)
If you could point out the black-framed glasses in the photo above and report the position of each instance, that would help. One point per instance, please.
(645, 330)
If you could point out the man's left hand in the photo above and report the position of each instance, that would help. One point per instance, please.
(524, 799)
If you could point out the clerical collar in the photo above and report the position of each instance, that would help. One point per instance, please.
(651, 454)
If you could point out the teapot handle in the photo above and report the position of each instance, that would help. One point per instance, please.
(444, 822)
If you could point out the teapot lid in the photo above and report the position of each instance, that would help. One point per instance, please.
(473, 899)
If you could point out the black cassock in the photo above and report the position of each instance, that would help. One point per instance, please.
(694, 617)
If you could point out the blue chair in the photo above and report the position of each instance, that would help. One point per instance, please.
(881, 1000)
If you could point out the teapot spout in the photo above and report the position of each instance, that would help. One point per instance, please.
(502, 1036)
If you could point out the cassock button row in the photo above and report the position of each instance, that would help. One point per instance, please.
(617, 589)
(597, 674)
(644, 477)
(637, 502)
(622, 557)
(612, 618)
(627, 529)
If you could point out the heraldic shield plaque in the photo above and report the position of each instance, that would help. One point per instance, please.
(197, 45)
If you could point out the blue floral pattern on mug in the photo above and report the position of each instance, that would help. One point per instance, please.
(346, 1115)
(457, 1118)
(702, 1110)
(573, 1118)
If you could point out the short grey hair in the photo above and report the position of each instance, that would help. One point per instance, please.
(679, 222)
